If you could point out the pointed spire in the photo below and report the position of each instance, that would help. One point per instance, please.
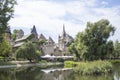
(64, 33)
(33, 31)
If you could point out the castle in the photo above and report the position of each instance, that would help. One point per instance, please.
(49, 47)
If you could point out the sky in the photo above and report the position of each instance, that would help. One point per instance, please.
(49, 16)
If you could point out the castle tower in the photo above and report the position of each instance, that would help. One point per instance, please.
(34, 31)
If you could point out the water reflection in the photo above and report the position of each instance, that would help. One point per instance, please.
(36, 73)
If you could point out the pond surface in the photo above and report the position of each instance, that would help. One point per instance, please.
(36, 73)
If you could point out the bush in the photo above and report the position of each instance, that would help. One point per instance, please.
(115, 61)
(69, 64)
(87, 68)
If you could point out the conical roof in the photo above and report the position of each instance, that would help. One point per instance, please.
(34, 31)
(42, 37)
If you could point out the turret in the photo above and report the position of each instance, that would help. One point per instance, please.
(33, 31)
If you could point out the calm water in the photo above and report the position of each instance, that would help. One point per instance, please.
(36, 73)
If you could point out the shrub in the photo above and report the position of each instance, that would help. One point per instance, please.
(115, 61)
(87, 68)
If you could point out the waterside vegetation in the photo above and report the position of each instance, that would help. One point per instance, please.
(89, 68)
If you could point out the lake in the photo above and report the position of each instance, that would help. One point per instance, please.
(53, 73)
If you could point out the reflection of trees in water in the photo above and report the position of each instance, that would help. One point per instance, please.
(117, 72)
(24, 73)
(6, 74)
(30, 73)
(35, 73)
(75, 76)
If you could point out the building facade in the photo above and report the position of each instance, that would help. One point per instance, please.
(49, 47)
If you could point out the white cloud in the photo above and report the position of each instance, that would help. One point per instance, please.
(49, 16)
(104, 3)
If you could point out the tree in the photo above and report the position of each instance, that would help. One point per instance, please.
(6, 12)
(14, 35)
(28, 51)
(5, 48)
(93, 44)
(77, 47)
(116, 53)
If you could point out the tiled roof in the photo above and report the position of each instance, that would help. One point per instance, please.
(23, 38)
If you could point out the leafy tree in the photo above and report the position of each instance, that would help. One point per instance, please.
(77, 47)
(116, 53)
(28, 51)
(5, 48)
(41, 42)
(93, 44)
(14, 35)
(6, 12)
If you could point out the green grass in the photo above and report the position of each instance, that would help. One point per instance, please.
(88, 68)
(115, 61)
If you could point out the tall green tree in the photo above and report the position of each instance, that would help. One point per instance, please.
(93, 44)
(28, 51)
(116, 53)
(77, 47)
(6, 12)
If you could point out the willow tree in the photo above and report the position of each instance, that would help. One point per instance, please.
(28, 51)
(93, 44)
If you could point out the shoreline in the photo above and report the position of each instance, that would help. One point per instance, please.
(30, 65)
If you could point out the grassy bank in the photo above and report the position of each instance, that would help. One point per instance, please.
(88, 68)
(115, 61)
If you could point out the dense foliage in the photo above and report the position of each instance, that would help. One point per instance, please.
(88, 68)
(5, 48)
(93, 44)
(116, 53)
(28, 51)
(6, 12)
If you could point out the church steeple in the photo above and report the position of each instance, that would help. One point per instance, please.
(63, 33)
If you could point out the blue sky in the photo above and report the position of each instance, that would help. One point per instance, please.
(50, 15)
